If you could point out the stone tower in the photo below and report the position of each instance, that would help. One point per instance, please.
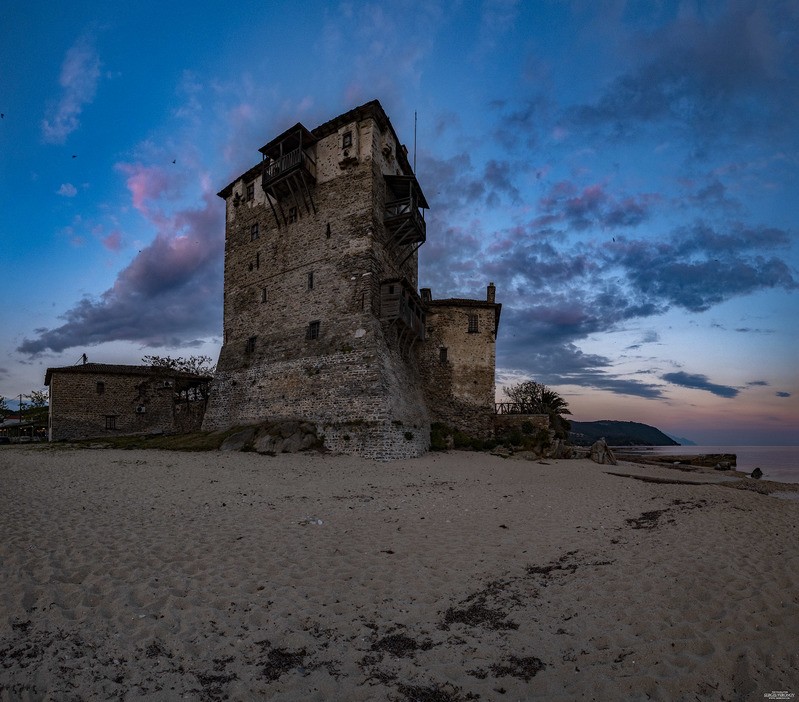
(321, 313)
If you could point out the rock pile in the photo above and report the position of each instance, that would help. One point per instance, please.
(287, 436)
(601, 453)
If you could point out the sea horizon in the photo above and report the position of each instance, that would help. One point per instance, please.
(780, 463)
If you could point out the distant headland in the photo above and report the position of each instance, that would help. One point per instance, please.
(618, 433)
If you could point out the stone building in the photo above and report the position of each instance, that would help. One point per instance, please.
(457, 361)
(322, 318)
(100, 399)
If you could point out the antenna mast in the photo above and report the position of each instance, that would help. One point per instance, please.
(414, 142)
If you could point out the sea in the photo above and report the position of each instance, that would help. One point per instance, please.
(779, 463)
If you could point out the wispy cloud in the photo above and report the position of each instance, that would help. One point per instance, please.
(782, 394)
(699, 382)
(592, 206)
(80, 73)
(67, 190)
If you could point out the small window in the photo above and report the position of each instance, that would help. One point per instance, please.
(327, 232)
(254, 232)
(346, 140)
(263, 294)
(310, 280)
(257, 259)
(100, 387)
(292, 214)
(442, 354)
(390, 289)
(313, 331)
(473, 324)
(251, 191)
(251, 344)
(110, 421)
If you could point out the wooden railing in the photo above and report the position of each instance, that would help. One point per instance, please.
(288, 162)
(410, 315)
(399, 214)
(512, 408)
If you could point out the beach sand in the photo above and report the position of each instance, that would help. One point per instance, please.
(457, 576)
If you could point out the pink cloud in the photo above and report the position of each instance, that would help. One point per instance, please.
(168, 294)
(145, 183)
(113, 242)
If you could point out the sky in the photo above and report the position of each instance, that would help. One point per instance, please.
(626, 173)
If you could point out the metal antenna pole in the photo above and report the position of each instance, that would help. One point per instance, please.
(414, 142)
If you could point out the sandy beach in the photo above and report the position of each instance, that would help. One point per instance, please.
(458, 576)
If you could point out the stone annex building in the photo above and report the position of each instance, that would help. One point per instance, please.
(323, 320)
(101, 399)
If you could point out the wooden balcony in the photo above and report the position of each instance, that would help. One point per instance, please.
(403, 214)
(278, 173)
(398, 303)
(288, 173)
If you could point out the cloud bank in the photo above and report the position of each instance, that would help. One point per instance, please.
(169, 295)
(700, 382)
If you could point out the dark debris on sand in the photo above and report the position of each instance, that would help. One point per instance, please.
(280, 661)
(525, 667)
(435, 693)
(650, 520)
(401, 645)
(565, 565)
(478, 614)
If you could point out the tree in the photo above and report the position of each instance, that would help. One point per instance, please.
(199, 365)
(536, 398)
(36, 409)
(38, 398)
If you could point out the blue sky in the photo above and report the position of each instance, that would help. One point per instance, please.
(625, 172)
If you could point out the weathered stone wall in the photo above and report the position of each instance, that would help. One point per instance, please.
(353, 371)
(460, 388)
(78, 410)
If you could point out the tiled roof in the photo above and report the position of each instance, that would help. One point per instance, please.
(372, 109)
(463, 302)
(115, 369)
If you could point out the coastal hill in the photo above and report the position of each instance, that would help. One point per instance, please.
(618, 434)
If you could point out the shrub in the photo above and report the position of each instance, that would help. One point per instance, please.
(461, 440)
(438, 436)
(514, 438)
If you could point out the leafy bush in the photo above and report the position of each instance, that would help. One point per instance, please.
(461, 440)
(438, 436)
(514, 438)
